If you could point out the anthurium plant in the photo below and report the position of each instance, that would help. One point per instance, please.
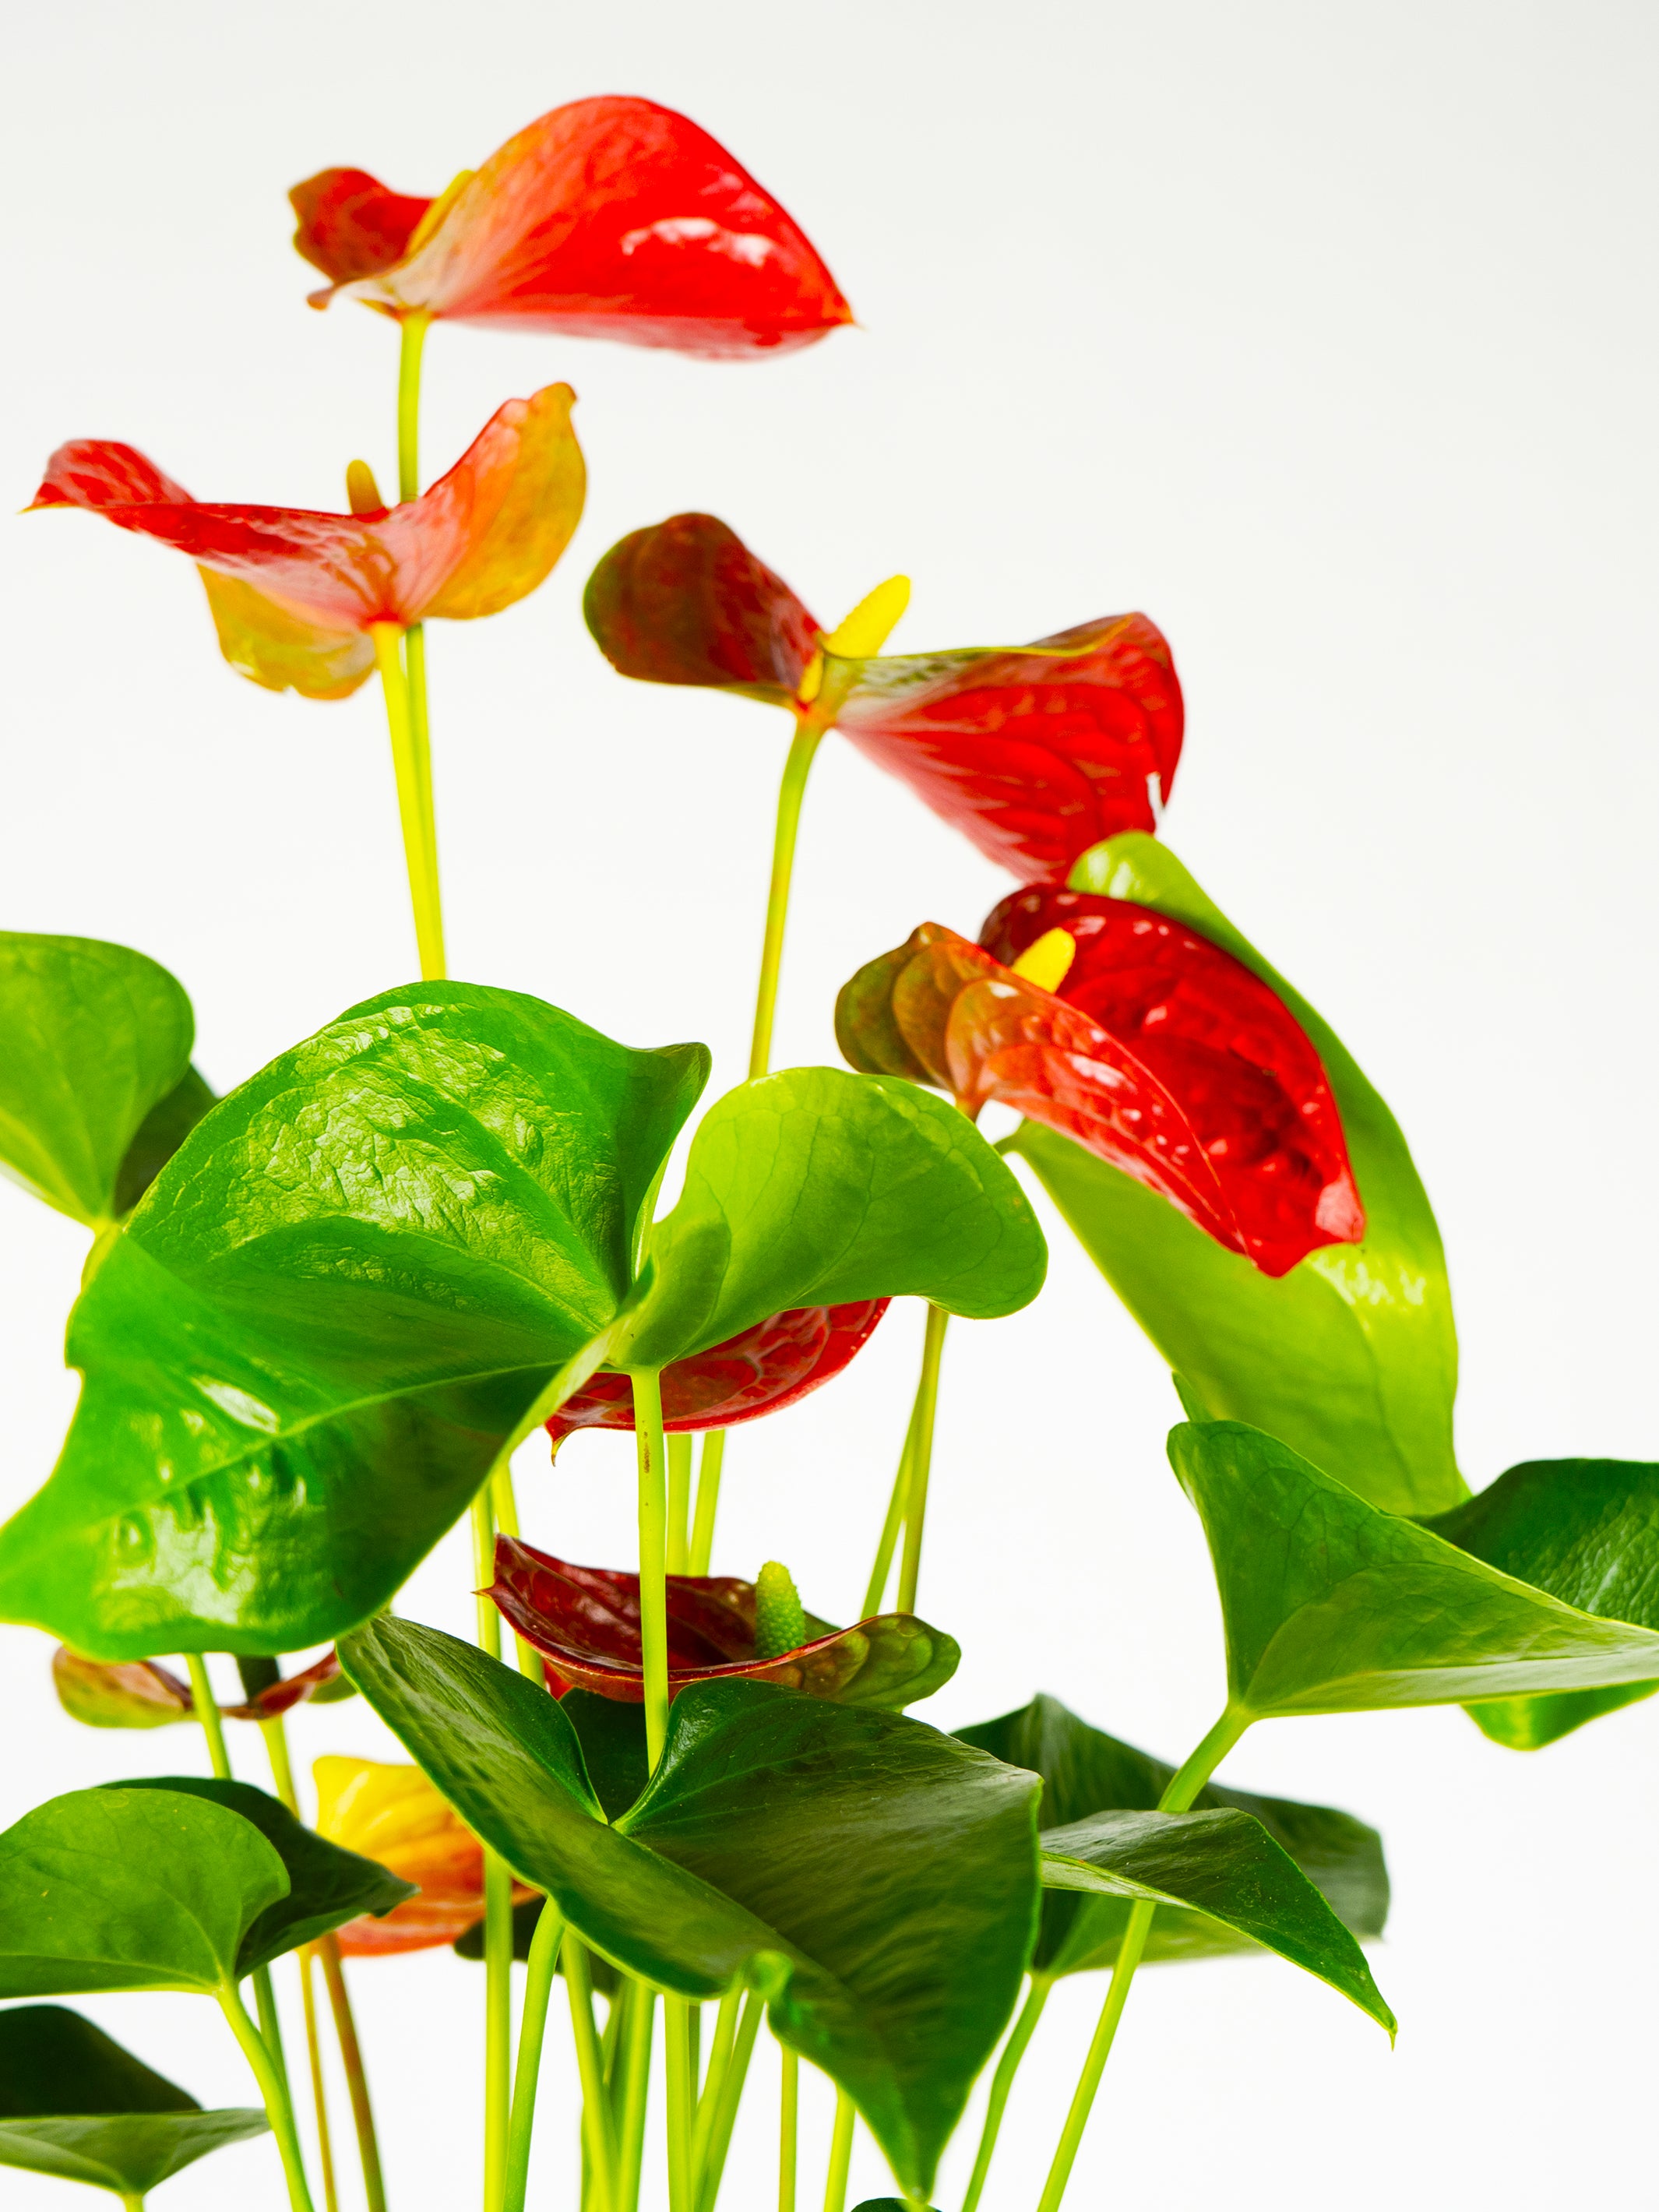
(321, 1315)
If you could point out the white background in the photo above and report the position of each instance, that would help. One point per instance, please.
(1324, 333)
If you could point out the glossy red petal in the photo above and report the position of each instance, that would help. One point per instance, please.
(480, 537)
(586, 1622)
(686, 601)
(614, 218)
(1246, 1073)
(760, 1372)
(351, 225)
(293, 1690)
(1035, 754)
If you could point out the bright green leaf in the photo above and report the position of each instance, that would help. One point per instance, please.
(1086, 1771)
(1225, 1866)
(1332, 1607)
(93, 1039)
(74, 2104)
(1351, 1358)
(1586, 1530)
(330, 1312)
(817, 1187)
(130, 1889)
(327, 1885)
(876, 1879)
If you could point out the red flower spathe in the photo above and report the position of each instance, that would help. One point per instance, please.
(295, 593)
(762, 1371)
(1034, 752)
(609, 218)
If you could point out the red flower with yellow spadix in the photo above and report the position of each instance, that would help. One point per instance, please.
(608, 218)
(308, 600)
(1035, 752)
(1133, 1035)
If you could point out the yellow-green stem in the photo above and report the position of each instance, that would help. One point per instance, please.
(278, 2111)
(709, 1498)
(791, 789)
(498, 1902)
(319, 2088)
(840, 2154)
(637, 2091)
(921, 1457)
(206, 1711)
(412, 334)
(788, 2125)
(678, 1449)
(677, 2047)
(720, 2056)
(653, 1557)
(727, 2098)
(1183, 1787)
(410, 765)
(351, 2057)
(1002, 2082)
(504, 1504)
(597, 2129)
(876, 1590)
(532, 2029)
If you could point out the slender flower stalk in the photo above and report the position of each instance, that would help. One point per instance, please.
(678, 1449)
(676, 2049)
(319, 2089)
(351, 2057)
(921, 1457)
(840, 2154)
(728, 2097)
(640, 2032)
(1183, 1788)
(709, 1498)
(876, 1591)
(1002, 2082)
(654, 1556)
(788, 2122)
(273, 2091)
(720, 2057)
(498, 1905)
(532, 2029)
(597, 2132)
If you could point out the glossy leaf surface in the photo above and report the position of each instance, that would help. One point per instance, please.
(1330, 1606)
(877, 1879)
(815, 1187)
(305, 587)
(130, 1888)
(608, 218)
(94, 1052)
(74, 2104)
(1086, 1773)
(1586, 1530)
(296, 1380)
(1351, 1358)
(327, 1884)
(586, 1622)
(685, 601)
(761, 1370)
(1226, 1113)
(1225, 1866)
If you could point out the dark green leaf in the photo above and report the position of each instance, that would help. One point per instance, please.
(817, 1187)
(1330, 1606)
(1086, 1771)
(327, 1885)
(1587, 1530)
(93, 1037)
(75, 2104)
(1225, 1865)
(876, 1879)
(1351, 1358)
(330, 1312)
(130, 1889)
(613, 1736)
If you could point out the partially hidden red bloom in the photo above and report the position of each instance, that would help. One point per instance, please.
(296, 594)
(586, 1622)
(762, 1371)
(608, 218)
(1034, 752)
(143, 1694)
(1155, 1050)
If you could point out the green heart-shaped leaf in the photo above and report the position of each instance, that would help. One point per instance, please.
(330, 1312)
(1225, 1866)
(817, 1187)
(1586, 1530)
(877, 1879)
(377, 1265)
(74, 2104)
(1351, 1358)
(1085, 1773)
(97, 1087)
(131, 1889)
(327, 1885)
(1332, 1607)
